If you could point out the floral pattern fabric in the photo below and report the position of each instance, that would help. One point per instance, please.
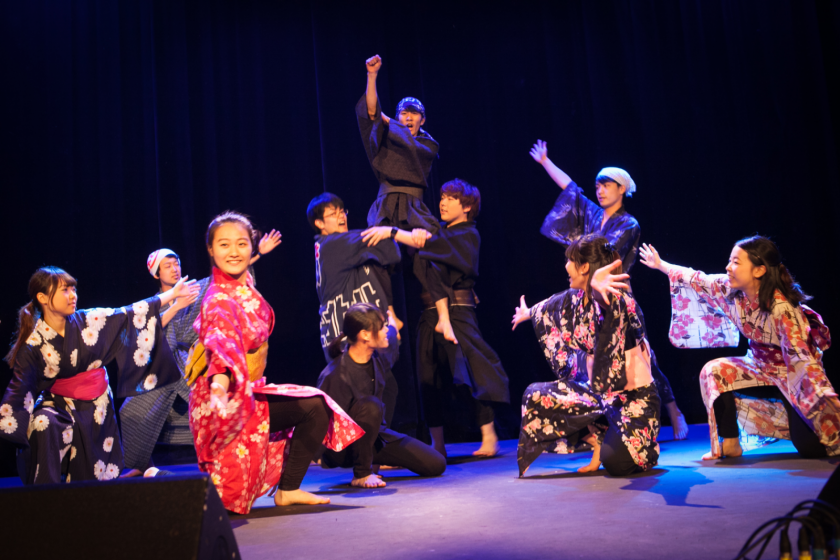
(66, 439)
(786, 348)
(554, 414)
(235, 447)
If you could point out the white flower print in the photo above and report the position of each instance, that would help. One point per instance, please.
(8, 424)
(256, 437)
(95, 318)
(112, 471)
(67, 435)
(51, 371)
(41, 422)
(141, 307)
(6, 410)
(150, 382)
(51, 356)
(108, 444)
(145, 341)
(74, 356)
(72, 452)
(99, 415)
(34, 339)
(251, 305)
(243, 291)
(94, 364)
(242, 451)
(98, 469)
(101, 401)
(141, 357)
(90, 336)
(46, 331)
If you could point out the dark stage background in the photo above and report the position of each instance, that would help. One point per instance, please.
(127, 126)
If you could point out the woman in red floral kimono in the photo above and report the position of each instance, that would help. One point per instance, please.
(779, 389)
(250, 436)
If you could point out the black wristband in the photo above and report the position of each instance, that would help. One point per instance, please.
(394, 231)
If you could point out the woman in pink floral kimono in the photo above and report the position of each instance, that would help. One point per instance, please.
(248, 435)
(779, 389)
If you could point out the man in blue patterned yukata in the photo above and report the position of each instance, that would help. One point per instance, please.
(574, 215)
(162, 415)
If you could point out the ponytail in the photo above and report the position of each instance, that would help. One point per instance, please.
(46, 280)
(334, 349)
(26, 324)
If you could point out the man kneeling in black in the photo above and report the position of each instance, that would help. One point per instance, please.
(356, 380)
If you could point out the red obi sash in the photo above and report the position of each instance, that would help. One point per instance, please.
(767, 353)
(85, 386)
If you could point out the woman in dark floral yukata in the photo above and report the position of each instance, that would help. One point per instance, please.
(614, 406)
(58, 408)
(779, 389)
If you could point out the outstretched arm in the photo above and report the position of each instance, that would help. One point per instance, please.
(373, 65)
(540, 154)
(521, 313)
(183, 289)
(650, 258)
(267, 244)
(415, 238)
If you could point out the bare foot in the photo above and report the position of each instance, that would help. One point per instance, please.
(130, 473)
(489, 442)
(593, 466)
(378, 468)
(445, 328)
(678, 422)
(370, 481)
(292, 497)
(731, 447)
(710, 456)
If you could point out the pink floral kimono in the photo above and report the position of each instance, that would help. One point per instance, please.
(786, 347)
(243, 459)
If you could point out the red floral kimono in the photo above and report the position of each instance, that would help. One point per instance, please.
(243, 459)
(786, 347)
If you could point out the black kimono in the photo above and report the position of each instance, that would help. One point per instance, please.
(574, 216)
(448, 267)
(401, 163)
(362, 391)
(70, 439)
(347, 271)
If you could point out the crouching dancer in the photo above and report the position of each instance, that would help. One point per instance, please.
(58, 407)
(779, 389)
(241, 425)
(597, 317)
(356, 379)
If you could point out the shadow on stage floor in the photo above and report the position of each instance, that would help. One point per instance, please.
(684, 508)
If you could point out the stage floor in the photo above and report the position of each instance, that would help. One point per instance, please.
(685, 508)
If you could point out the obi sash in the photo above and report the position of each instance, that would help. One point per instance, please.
(466, 298)
(85, 386)
(767, 353)
(197, 362)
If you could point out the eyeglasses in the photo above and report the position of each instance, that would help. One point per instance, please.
(342, 212)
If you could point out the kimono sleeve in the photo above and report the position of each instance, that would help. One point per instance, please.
(19, 399)
(626, 242)
(223, 339)
(550, 320)
(609, 366)
(330, 381)
(341, 252)
(133, 337)
(806, 378)
(570, 217)
(373, 131)
(701, 310)
(455, 249)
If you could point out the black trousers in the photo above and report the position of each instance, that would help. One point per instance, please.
(615, 457)
(310, 417)
(372, 449)
(806, 442)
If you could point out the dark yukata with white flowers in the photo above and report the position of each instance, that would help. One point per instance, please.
(65, 439)
(557, 414)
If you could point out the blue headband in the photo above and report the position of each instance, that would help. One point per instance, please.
(411, 104)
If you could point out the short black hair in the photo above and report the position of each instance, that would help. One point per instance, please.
(606, 179)
(315, 210)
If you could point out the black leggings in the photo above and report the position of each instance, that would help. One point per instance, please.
(310, 417)
(615, 456)
(806, 442)
(370, 449)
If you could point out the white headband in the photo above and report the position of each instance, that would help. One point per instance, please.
(153, 262)
(621, 177)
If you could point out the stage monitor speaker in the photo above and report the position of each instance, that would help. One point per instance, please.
(177, 516)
